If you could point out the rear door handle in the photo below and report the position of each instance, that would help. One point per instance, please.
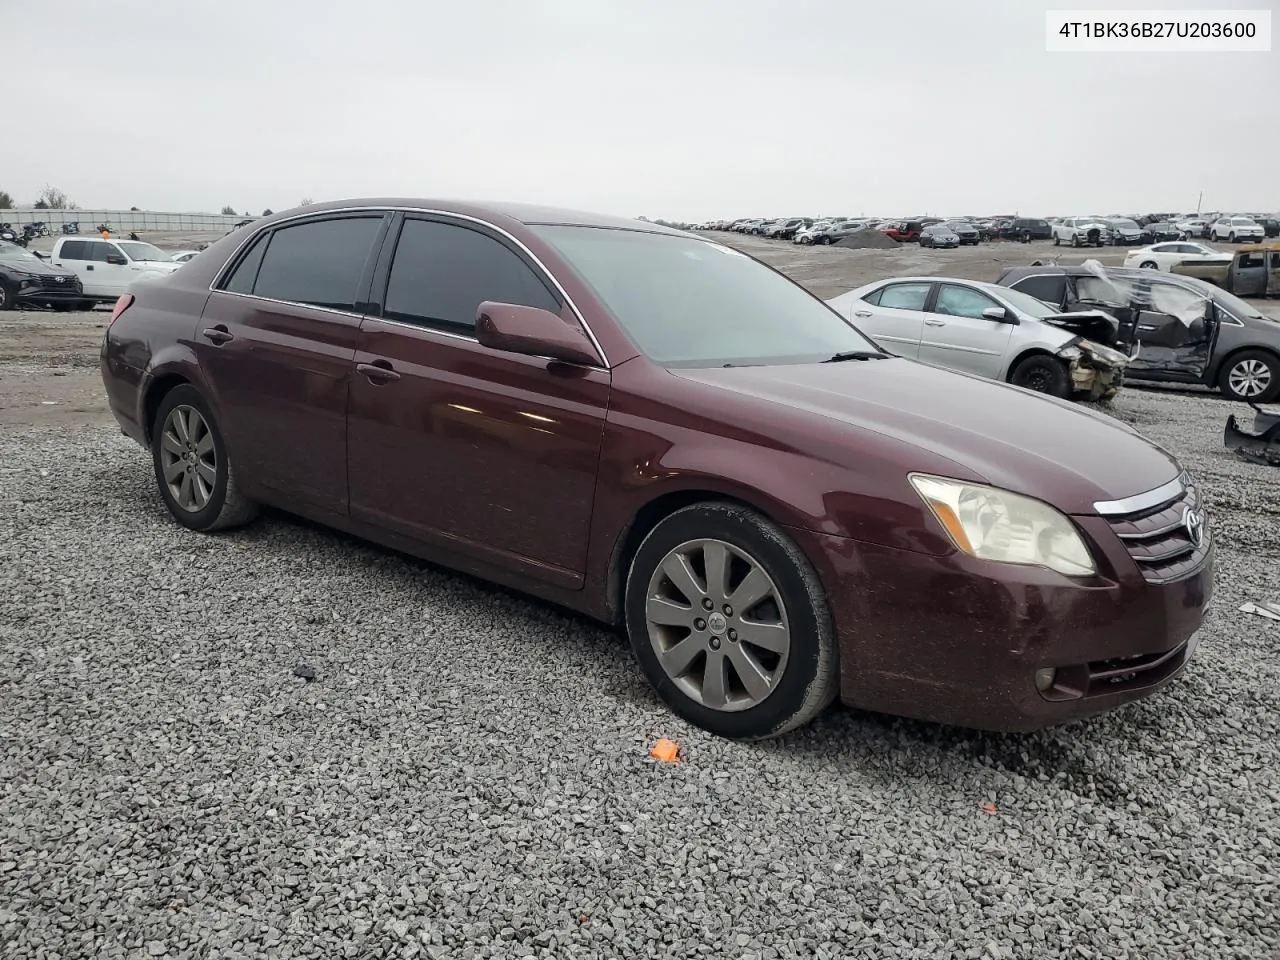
(218, 334)
(862, 313)
(935, 323)
(378, 372)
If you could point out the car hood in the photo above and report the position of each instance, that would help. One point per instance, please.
(37, 267)
(1006, 436)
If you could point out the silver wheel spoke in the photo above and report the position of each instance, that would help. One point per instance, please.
(206, 473)
(767, 636)
(715, 557)
(668, 614)
(751, 674)
(170, 444)
(200, 491)
(205, 446)
(677, 660)
(676, 567)
(753, 588)
(715, 684)
(180, 426)
(174, 470)
(184, 491)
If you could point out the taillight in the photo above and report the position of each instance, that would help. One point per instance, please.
(124, 302)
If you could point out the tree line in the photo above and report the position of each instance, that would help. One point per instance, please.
(51, 198)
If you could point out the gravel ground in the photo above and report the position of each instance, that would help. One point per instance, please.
(467, 774)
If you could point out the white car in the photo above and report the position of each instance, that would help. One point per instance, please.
(1162, 256)
(1193, 227)
(989, 331)
(106, 268)
(1081, 232)
(182, 256)
(1236, 230)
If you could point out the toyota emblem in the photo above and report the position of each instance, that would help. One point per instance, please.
(1193, 520)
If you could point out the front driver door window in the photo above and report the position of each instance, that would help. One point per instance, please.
(958, 336)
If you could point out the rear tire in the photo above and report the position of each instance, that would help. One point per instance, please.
(1251, 375)
(1149, 265)
(193, 470)
(6, 297)
(774, 658)
(1043, 374)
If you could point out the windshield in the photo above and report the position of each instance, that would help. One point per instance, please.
(137, 250)
(690, 303)
(1241, 222)
(11, 251)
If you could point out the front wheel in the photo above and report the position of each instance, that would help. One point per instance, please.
(192, 467)
(6, 296)
(1043, 374)
(1057, 241)
(1231, 238)
(730, 624)
(1252, 375)
(1149, 265)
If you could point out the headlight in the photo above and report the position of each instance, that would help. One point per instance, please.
(1005, 527)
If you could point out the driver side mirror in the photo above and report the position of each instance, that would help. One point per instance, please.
(998, 314)
(532, 332)
(116, 259)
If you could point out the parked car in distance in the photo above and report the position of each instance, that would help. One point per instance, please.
(1162, 256)
(938, 235)
(1236, 230)
(27, 280)
(182, 256)
(1028, 228)
(1081, 232)
(107, 268)
(1252, 271)
(1160, 231)
(1193, 227)
(988, 331)
(1270, 226)
(596, 404)
(965, 231)
(1124, 231)
(904, 231)
(1188, 331)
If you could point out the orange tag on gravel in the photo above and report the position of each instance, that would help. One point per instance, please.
(668, 751)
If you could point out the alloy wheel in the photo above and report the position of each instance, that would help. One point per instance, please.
(188, 458)
(717, 624)
(1249, 378)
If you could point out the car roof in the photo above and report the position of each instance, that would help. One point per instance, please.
(528, 214)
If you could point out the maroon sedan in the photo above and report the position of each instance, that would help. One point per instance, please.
(666, 434)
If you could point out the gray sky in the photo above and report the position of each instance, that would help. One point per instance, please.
(673, 108)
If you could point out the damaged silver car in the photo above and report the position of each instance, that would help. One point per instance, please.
(990, 331)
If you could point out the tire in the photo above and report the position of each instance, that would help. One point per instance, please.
(1149, 265)
(1251, 375)
(1231, 237)
(803, 674)
(1057, 240)
(62, 307)
(1043, 374)
(1075, 239)
(85, 305)
(219, 505)
(6, 297)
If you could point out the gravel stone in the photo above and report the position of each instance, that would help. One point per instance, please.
(467, 776)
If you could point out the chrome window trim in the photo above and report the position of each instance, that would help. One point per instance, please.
(318, 214)
(1144, 501)
(423, 328)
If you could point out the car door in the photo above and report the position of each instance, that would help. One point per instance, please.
(1248, 274)
(73, 255)
(109, 268)
(492, 455)
(957, 336)
(893, 316)
(276, 343)
(1176, 328)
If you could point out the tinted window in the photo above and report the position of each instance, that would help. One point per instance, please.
(1048, 289)
(74, 250)
(1097, 290)
(904, 296)
(99, 251)
(441, 273)
(246, 271)
(318, 263)
(957, 301)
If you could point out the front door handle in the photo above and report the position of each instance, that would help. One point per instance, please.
(218, 334)
(935, 323)
(88, 266)
(862, 313)
(378, 372)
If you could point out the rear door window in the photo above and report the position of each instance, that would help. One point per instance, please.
(319, 263)
(442, 272)
(245, 272)
(904, 296)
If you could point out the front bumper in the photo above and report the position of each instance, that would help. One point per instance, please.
(42, 291)
(957, 640)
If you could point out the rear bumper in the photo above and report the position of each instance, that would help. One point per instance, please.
(942, 639)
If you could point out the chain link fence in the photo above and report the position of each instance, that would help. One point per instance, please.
(122, 220)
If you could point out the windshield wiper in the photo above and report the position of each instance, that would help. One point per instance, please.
(856, 355)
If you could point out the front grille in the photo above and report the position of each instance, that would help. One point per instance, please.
(1159, 538)
(71, 284)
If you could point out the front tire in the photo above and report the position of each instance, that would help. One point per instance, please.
(1251, 375)
(6, 297)
(193, 469)
(1043, 374)
(1149, 265)
(730, 624)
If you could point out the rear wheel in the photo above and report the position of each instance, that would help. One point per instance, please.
(6, 296)
(192, 467)
(1057, 241)
(1149, 265)
(1043, 374)
(1231, 237)
(1251, 375)
(730, 624)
